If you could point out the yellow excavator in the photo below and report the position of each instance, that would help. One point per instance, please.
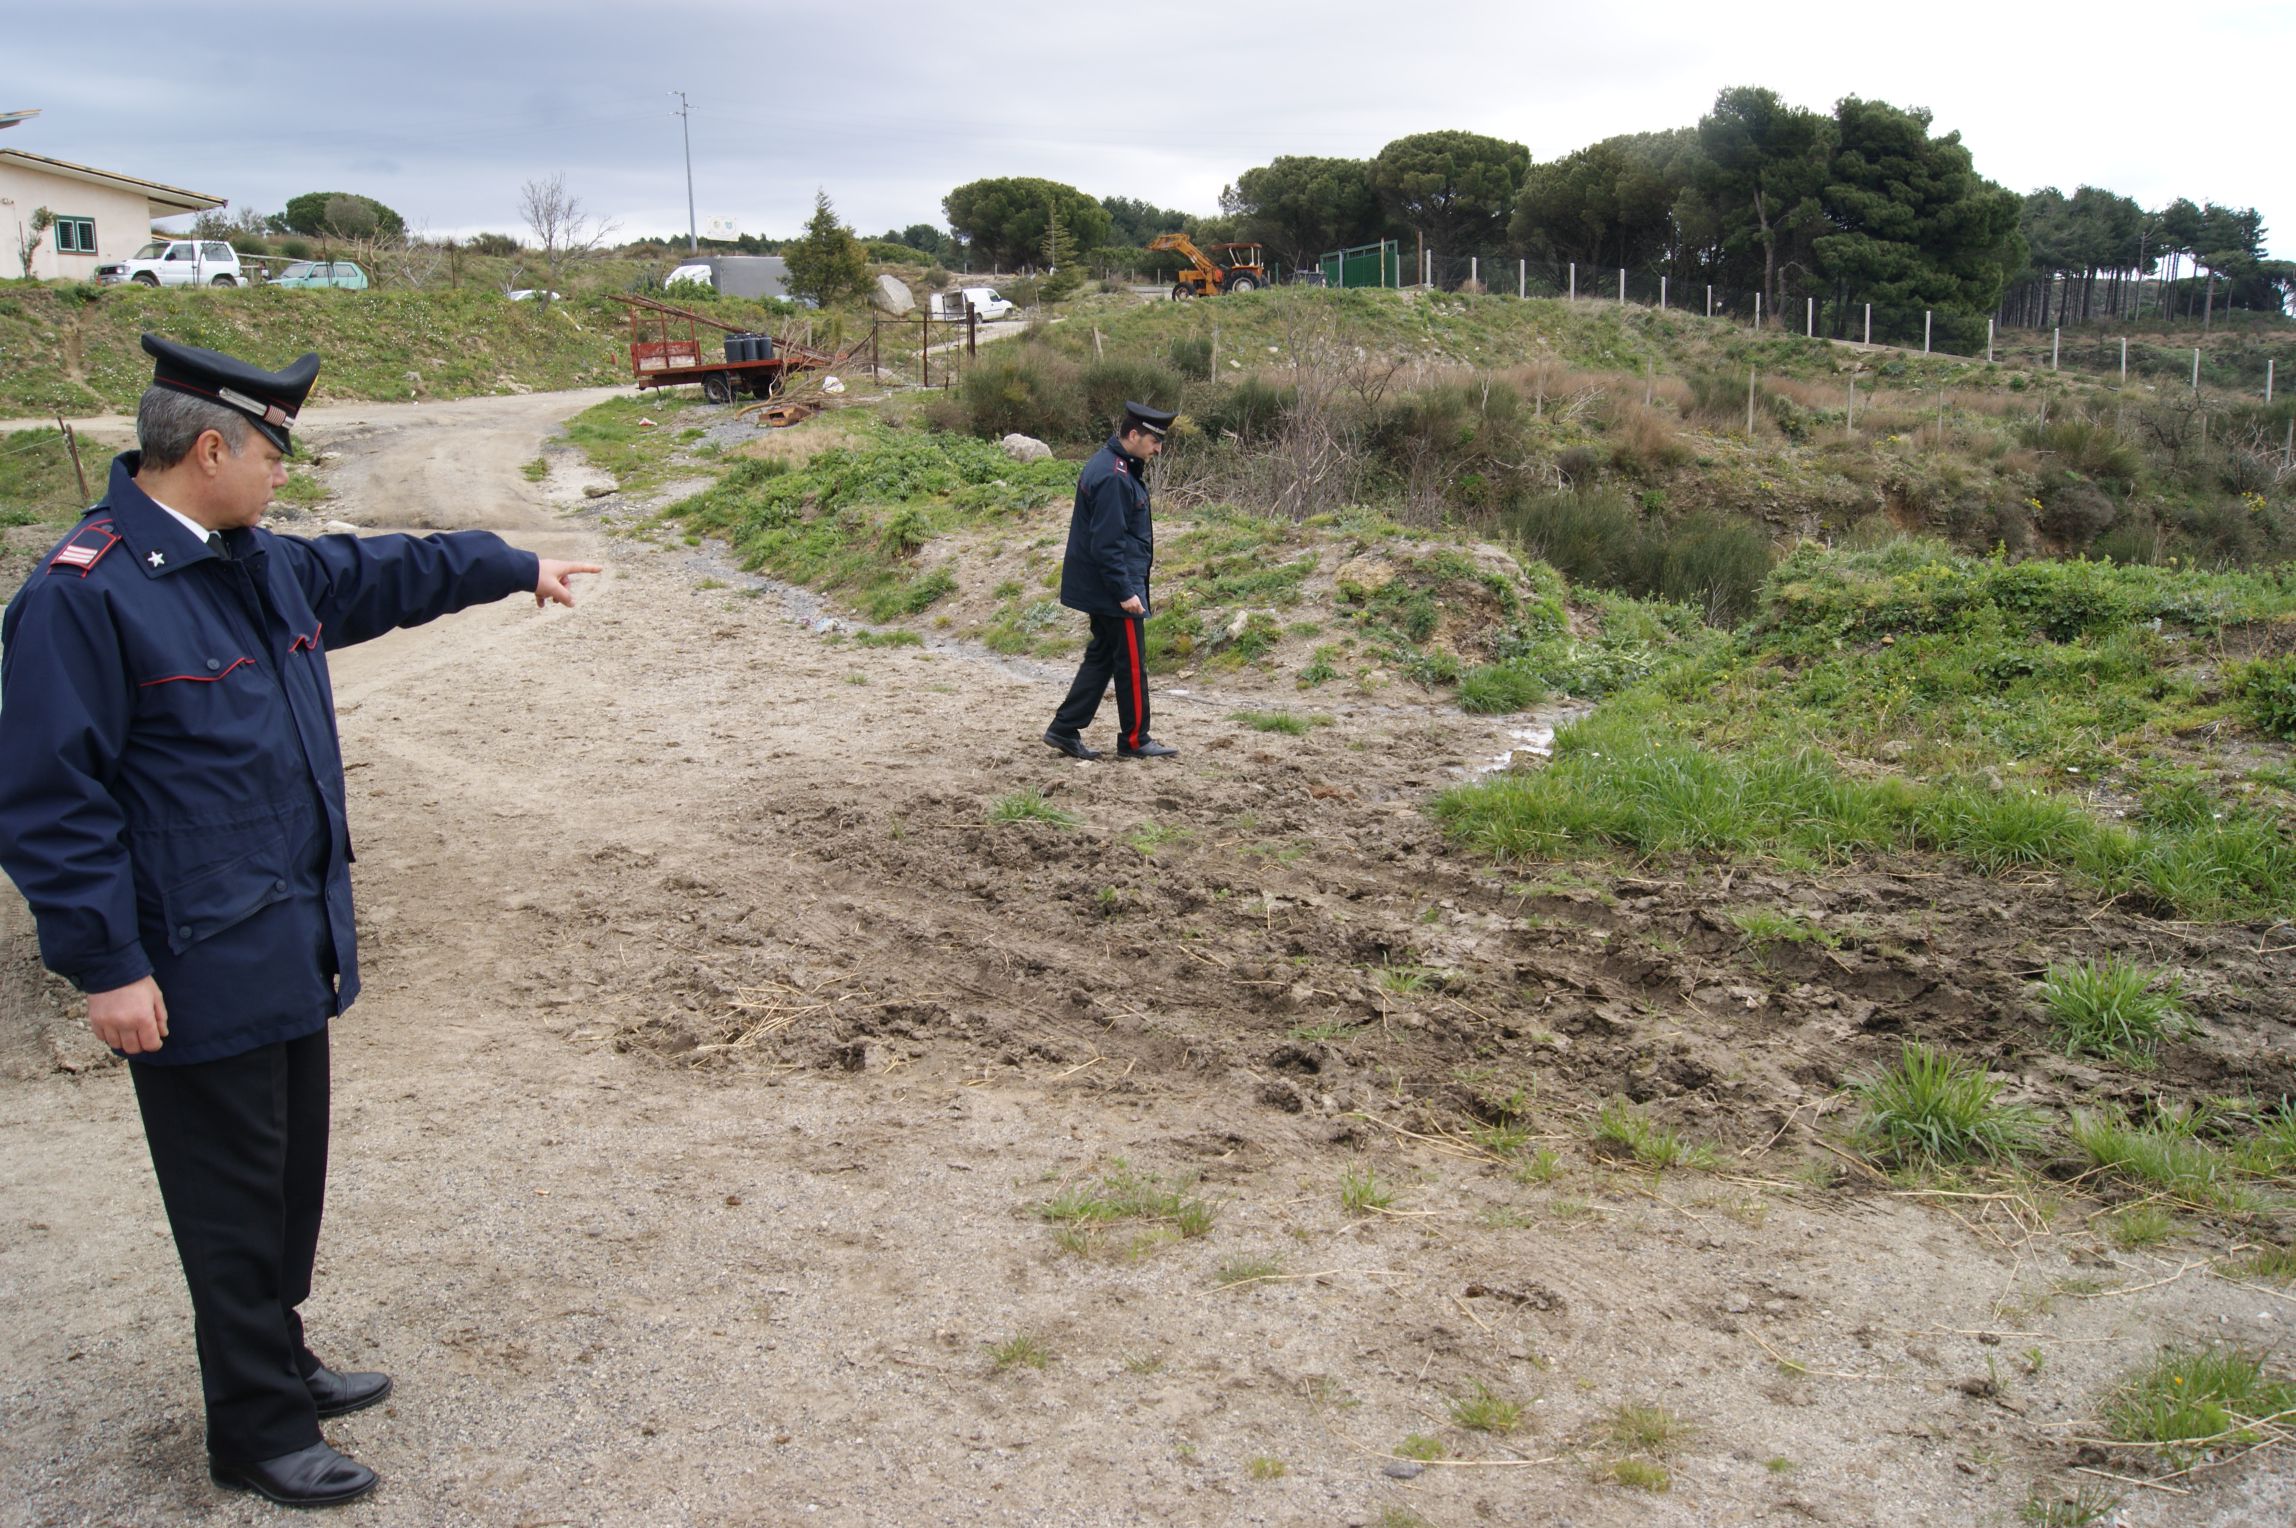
(1224, 268)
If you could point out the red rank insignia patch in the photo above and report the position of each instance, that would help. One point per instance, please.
(86, 548)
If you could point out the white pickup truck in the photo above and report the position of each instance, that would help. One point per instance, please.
(177, 262)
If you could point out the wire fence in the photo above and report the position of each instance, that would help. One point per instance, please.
(1842, 316)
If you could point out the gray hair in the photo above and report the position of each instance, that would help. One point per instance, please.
(169, 424)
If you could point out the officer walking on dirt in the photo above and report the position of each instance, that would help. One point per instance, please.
(172, 807)
(1111, 547)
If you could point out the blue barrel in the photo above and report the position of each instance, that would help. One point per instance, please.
(737, 348)
(762, 347)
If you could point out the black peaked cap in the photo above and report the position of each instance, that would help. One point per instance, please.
(270, 399)
(1139, 416)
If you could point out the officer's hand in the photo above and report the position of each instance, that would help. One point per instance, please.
(1132, 605)
(131, 1018)
(550, 584)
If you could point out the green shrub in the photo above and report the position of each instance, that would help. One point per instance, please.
(1110, 384)
(2269, 688)
(1716, 564)
(1591, 536)
(1191, 356)
(1027, 390)
(2092, 449)
(1251, 410)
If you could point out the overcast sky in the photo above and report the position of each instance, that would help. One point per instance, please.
(443, 110)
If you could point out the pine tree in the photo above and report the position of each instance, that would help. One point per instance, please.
(828, 263)
(1063, 273)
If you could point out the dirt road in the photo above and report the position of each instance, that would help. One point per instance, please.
(720, 1059)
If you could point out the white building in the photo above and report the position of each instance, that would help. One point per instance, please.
(100, 215)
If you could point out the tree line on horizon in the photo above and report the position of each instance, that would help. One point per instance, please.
(1863, 203)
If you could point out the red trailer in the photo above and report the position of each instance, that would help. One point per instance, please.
(666, 349)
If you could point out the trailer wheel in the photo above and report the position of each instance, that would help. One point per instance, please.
(716, 388)
(1181, 292)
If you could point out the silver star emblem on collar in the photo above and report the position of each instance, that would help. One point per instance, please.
(158, 559)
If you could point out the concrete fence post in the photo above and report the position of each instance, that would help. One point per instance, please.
(1757, 312)
(1869, 323)
(1709, 300)
(2196, 368)
(1662, 294)
(2124, 361)
(1810, 319)
(1522, 278)
(1574, 281)
(1622, 286)
(1925, 317)
(1989, 342)
(2056, 338)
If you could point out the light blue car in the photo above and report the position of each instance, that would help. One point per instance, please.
(322, 273)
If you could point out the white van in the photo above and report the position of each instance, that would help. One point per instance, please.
(986, 301)
(177, 262)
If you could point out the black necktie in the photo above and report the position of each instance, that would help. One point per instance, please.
(217, 545)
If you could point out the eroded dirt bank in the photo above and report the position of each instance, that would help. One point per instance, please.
(719, 1054)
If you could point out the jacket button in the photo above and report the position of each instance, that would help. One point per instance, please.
(213, 664)
(278, 885)
(184, 932)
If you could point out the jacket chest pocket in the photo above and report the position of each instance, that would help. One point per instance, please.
(204, 901)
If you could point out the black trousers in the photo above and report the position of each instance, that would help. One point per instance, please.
(1116, 652)
(240, 1149)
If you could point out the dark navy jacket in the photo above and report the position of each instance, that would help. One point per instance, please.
(171, 785)
(1111, 545)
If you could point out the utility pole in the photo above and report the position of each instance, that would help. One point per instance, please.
(685, 129)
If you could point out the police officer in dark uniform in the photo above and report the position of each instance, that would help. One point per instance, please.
(172, 807)
(1111, 547)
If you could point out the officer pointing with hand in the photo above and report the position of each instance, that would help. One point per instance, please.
(172, 807)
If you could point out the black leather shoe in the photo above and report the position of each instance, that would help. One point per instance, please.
(1149, 749)
(310, 1477)
(335, 1394)
(1070, 744)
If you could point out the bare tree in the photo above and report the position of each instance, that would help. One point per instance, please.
(560, 225)
(29, 234)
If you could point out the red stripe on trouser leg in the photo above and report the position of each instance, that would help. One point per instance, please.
(1132, 673)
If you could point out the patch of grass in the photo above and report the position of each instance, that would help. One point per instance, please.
(2142, 1225)
(1021, 1351)
(1767, 926)
(1245, 1270)
(1778, 1464)
(2162, 1155)
(1626, 1129)
(1143, 1363)
(1289, 723)
(1361, 1192)
(895, 637)
(2085, 1504)
(1484, 1410)
(1499, 689)
(1030, 805)
(1421, 1446)
(1647, 1429)
(1542, 1166)
(1120, 1194)
(2277, 1264)
(536, 470)
(2189, 1400)
(1266, 1467)
(1329, 1029)
(1149, 837)
(1639, 1475)
(1503, 1139)
(1931, 1109)
(303, 488)
(2113, 1008)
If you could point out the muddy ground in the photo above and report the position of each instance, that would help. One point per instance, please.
(719, 1056)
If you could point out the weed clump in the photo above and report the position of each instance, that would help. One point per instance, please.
(1932, 1109)
(2113, 1008)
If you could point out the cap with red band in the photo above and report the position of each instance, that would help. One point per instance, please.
(271, 399)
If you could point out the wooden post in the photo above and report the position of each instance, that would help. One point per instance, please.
(2288, 447)
(1989, 342)
(2196, 368)
(72, 445)
(2268, 365)
(1750, 394)
(1215, 347)
(1850, 411)
(1097, 354)
(972, 330)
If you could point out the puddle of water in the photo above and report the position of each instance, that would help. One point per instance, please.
(1535, 736)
